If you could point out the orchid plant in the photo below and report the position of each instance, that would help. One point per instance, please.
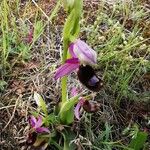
(76, 56)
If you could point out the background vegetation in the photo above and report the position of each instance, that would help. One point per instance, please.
(30, 44)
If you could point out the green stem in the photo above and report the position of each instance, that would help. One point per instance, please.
(71, 27)
(66, 34)
(64, 89)
(64, 79)
(65, 49)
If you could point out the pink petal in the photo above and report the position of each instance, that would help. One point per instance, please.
(85, 54)
(71, 47)
(77, 108)
(65, 69)
(39, 122)
(32, 121)
(42, 129)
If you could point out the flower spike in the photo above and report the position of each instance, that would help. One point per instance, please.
(81, 54)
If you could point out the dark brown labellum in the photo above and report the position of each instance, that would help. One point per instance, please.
(87, 77)
(90, 106)
(31, 138)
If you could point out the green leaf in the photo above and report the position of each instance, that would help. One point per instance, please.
(51, 119)
(138, 142)
(2, 85)
(40, 102)
(37, 29)
(68, 136)
(67, 117)
(66, 113)
(69, 24)
(78, 11)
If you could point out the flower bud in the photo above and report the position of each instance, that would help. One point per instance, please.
(91, 106)
(68, 4)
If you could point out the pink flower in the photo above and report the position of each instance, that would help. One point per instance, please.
(74, 92)
(81, 54)
(29, 38)
(78, 107)
(36, 124)
(88, 106)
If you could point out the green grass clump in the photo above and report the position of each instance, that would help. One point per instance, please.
(12, 36)
(124, 53)
(19, 22)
